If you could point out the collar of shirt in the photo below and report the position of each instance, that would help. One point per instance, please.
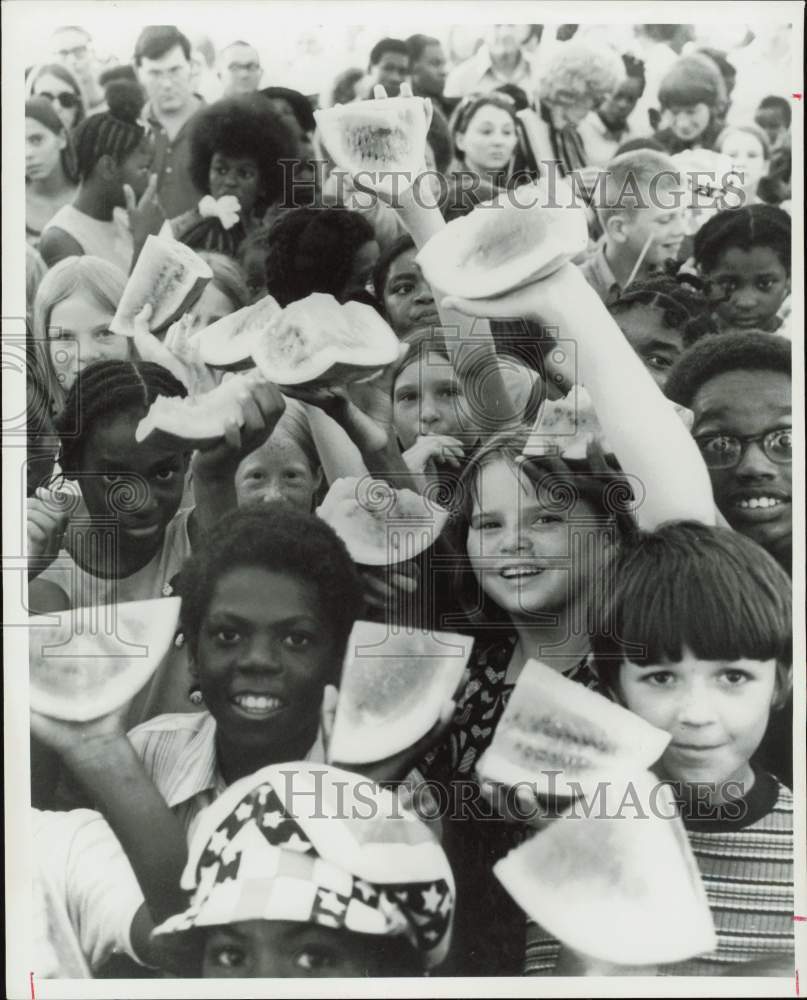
(149, 115)
(196, 769)
(602, 273)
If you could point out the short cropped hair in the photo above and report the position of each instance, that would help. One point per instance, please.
(726, 352)
(773, 102)
(387, 45)
(711, 590)
(628, 180)
(157, 39)
(417, 45)
(750, 226)
(279, 539)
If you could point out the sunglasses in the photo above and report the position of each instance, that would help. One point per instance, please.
(66, 99)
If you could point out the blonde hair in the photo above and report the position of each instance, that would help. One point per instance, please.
(599, 68)
(102, 280)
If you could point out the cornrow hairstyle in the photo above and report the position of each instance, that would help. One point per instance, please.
(709, 589)
(747, 227)
(108, 388)
(725, 352)
(242, 127)
(683, 306)
(634, 68)
(312, 250)
(278, 539)
(114, 133)
(63, 74)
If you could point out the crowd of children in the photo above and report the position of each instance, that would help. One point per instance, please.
(165, 843)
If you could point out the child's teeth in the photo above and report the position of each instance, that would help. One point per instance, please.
(514, 571)
(756, 502)
(257, 702)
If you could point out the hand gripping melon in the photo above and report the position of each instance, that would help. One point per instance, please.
(555, 731)
(170, 277)
(196, 422)
(380, 525)
(371, 138)
(228, 342)
(566, 426)
(88, 662)
(393, 688)
(516, 238)
(317, 340)
(619, 884)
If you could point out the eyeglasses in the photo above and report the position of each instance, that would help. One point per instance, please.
(77, 52)
(66, 98)
(724, 451)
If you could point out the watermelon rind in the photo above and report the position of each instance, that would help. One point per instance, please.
(112, 691)
(227, 344)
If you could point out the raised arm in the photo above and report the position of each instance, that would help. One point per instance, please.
(642, 427)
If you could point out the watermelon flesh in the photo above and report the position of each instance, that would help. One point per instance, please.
(381, 526)
(89, 662)
(169, 276)
(318, 340)
(620, 884)
(506, 243)
(392, 690)
(555, 731)
(228, 342)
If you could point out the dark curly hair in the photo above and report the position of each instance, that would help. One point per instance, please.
(105, 389)
(279, 539)
(312, 250)
(242, 127)
(726, 352)
(751, 226)
(683, 306)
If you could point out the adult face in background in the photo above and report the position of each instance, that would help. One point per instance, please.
(168, 81)
(617, 108)
(489, 139)
(503, 40)
(429, 71)
(72, 47)
(239, 70)
(65, 99)
(390, 71)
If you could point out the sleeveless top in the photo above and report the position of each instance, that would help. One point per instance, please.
(110, 241)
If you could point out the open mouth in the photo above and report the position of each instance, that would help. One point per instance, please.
(760, 507)
(256, 706)
(142, 530)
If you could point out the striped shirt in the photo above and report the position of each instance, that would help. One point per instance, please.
(178, 751)
(747, 869)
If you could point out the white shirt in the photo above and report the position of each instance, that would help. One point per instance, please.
(85, 894)
(477, 76)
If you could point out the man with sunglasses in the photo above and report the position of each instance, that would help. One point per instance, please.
(739, 389)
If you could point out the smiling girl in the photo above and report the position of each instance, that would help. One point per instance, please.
(485, 134)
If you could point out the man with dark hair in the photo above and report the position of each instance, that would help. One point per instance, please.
(162, 58)
(389, 66)
(427, 65)
(239, 69)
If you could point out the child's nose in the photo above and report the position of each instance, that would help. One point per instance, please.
(261, 653)
(424, 294)
(695, 708)
(755, 464)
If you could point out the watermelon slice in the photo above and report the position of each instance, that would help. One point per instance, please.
(170, 277)
(374, 138)
(510, 241)
(619, 884)
(228, 342)
(195, 422)
(566, 426)
(88, 662)
(380, 525)
(316, 340)
(555, 731)
(393, 688)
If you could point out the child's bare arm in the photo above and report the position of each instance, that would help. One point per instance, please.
(646, 434)
(100, 756)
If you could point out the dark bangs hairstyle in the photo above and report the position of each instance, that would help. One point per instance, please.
(559, 483)
(711, 590)
(278, 539)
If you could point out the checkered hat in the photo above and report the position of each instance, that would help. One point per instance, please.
(311, 843)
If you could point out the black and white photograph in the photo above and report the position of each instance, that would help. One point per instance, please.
(402, 531)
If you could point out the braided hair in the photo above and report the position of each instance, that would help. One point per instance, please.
(684, 307)
(751, 226)
(114, 133)
(312, 250)
(104, 389)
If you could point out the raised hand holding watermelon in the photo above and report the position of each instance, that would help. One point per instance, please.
(79, 742)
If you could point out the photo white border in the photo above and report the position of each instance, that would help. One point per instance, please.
(423, 15)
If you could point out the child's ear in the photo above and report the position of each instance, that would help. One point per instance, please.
(783, 685)
(615, 229)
